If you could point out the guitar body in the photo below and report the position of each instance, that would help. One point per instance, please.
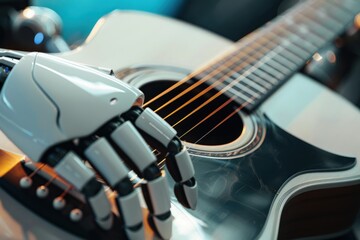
(319, 197)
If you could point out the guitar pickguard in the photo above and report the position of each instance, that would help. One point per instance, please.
(236, 194)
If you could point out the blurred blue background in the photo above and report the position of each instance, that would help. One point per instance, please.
(80, 16)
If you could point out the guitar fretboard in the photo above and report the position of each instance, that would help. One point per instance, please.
(265, 59)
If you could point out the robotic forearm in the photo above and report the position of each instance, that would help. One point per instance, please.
(58, 113)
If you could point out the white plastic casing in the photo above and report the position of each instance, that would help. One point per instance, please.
(159, 195)
(105, 160)
(155, 126)
(128, 138)
(184, 165)
(74, 171)
(46, 100)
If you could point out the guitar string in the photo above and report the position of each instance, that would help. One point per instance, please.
(220, 107)
(230, 85)
(198, 71)
(246, 60)
(216, 126)
(210, 115)
(206, 65)
(223, 90)
(215, 97)
(237, 110)
(306, 49)
(251, 57)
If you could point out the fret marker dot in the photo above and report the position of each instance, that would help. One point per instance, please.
(42, 192)
(25, 182)
(76, 215)
(59, 203)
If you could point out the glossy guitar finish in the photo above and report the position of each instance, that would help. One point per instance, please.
(301, 107)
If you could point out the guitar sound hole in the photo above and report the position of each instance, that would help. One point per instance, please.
(185, 117)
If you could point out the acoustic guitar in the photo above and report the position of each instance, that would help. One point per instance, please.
(275, 153)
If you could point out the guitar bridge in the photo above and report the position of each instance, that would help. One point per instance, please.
(38, 188)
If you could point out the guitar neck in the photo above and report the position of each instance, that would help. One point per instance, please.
(265, 59)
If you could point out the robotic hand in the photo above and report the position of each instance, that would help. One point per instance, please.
(59, 113)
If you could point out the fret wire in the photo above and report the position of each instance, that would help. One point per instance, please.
(285, 53)
(255, 78)
(287, 57)
(326, 22)
(280, 68)
(244, 89)
(246, 57)
(290, 62)
(251, 67)
(204, 79)
(320, 12)
(276, 66)
(252, 85)
(250, 74)
(261, 52)
(302, 13)
(237, 56)
(247, 38)
(224, 90)
(239, 92)
(293, 57)
(290, 56)
(327, 32)
(335, 11)
(297, 51)
(241, 95)
(286, 43)
(266, 66)
(340, 7)
(300, 42)
(344, 4)
(319, 15)
(290, 26)
(220, 92)
(284, 61)
(271, 71)
(264, 75)
(259, 73)
(316, 28)
(294, 47)
(248, 71)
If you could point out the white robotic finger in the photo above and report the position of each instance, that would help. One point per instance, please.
(74, 171)
(181, 163)
(106, 161)
(129, 139)
(157, 197)
(155, 126)
(178, 160)
(155, 189)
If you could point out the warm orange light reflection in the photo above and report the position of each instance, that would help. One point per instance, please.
(357, 21)
(8, 160)
(317, 57)
(331, 57)
(28, 13)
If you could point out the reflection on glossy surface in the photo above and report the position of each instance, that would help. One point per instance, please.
(235, 195)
